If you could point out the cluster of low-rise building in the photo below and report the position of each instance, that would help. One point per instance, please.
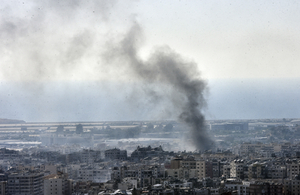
(150, 170)
(248, 158)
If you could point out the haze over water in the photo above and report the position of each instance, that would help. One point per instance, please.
(83, 101)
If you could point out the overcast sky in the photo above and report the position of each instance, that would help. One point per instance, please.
(52, 66)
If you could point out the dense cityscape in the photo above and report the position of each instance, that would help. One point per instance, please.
(109, 97)
(150, 157)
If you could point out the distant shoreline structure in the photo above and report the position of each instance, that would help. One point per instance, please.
(11, 121)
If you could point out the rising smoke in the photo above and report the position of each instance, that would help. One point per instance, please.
(33, 50)
(167, 69)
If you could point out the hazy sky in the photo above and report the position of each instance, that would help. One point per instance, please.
(52, 65)
(229, 39)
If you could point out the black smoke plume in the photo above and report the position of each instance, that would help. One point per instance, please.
(60, 40)
(166, 68)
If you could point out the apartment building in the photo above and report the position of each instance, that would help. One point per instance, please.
(3, 187)
(57, 184)
(116, 154)
(93, 174)
(237, 169)
(25, 183)
(293, 168)
(204, 169)
(291, 186)
(257, 171)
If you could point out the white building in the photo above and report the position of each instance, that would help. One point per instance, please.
(57, 184)
(237, 169)
(239, 187)
(94, 175)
